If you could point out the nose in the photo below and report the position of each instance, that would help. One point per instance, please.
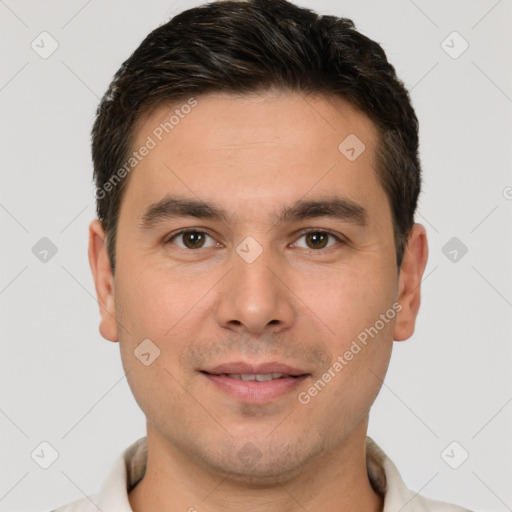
(254, 296)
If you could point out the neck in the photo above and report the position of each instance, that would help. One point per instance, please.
(175, 481)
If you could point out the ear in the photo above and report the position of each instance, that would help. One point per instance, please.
(103, 280)
(409, 282)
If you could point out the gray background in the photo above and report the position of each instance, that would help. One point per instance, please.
(63, 384)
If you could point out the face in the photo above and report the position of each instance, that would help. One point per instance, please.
(251, 245)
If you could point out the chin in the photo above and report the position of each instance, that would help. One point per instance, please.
(249, 465)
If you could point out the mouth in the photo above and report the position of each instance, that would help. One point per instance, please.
(260, 377)
(257, 384)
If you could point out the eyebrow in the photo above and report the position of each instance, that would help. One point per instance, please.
(172, 207)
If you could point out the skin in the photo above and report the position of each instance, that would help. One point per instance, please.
(295, 303)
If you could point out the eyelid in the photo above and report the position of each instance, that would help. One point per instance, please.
(321, 230)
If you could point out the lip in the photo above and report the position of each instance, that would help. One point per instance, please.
(255, 392)
(243, 367)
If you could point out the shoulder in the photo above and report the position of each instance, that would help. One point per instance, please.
(424, 504)
(87, 504)
(386, 480)
(126, 471)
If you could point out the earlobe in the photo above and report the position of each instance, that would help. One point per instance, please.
(411, 274)
(103, 281)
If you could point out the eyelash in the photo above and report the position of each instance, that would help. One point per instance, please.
(301, 234)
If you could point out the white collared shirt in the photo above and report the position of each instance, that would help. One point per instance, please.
(130, 467)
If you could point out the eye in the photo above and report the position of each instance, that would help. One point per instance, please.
(317, 240)
(192, 239)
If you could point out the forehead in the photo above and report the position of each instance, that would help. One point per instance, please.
(257, 148)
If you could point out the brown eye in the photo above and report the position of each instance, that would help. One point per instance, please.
(317, 240)
(191, 240)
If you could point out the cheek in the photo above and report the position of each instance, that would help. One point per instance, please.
(152, 309)
(152, 303)
(360, 354)
(350, 301)
(166, 307)
(357, 307)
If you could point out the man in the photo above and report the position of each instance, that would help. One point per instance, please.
(255, 255)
